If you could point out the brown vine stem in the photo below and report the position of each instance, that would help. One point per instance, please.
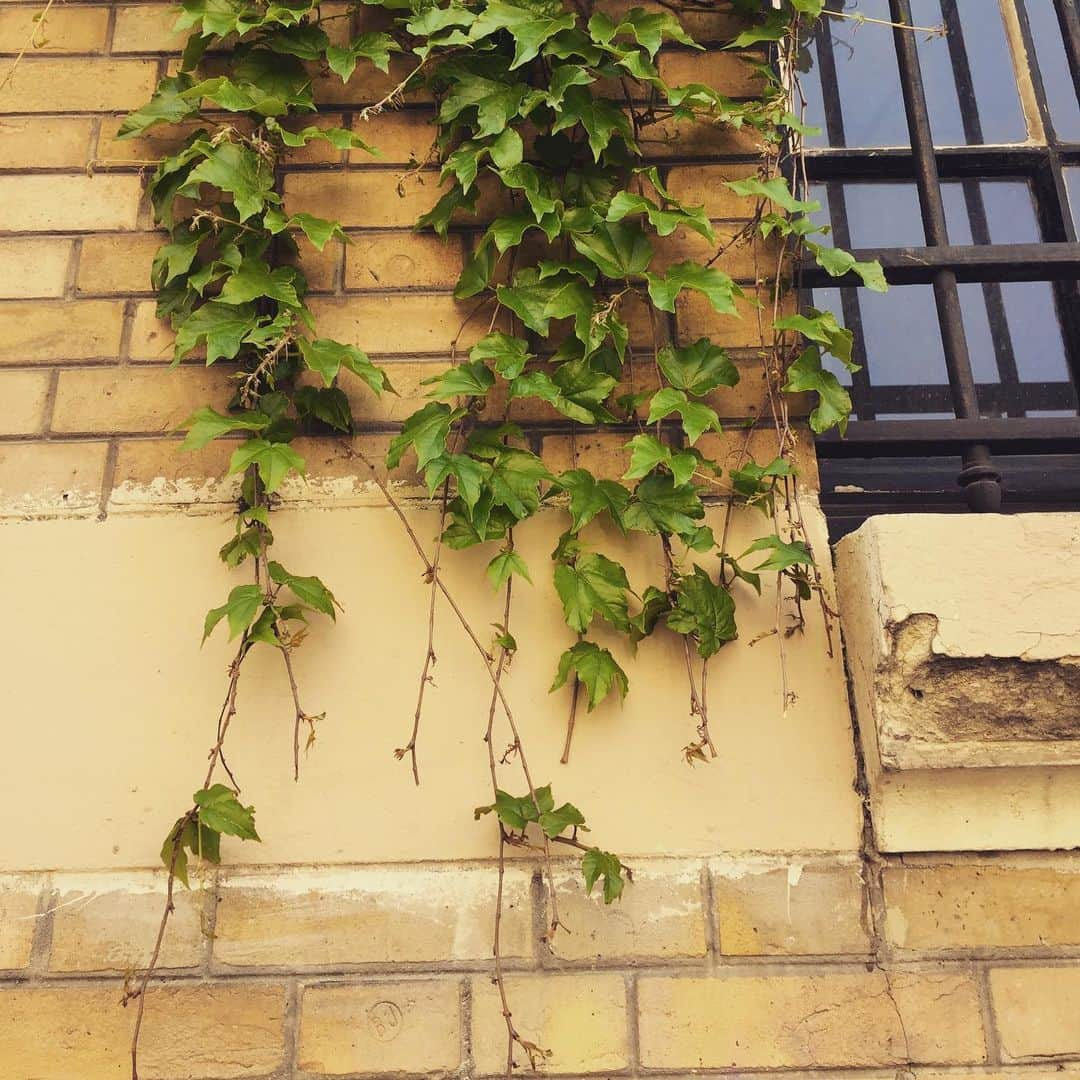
(489, 661)
(228, 711)
(31, 44)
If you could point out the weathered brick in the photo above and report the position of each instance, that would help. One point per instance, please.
(71, 29)
(190, 1032)
(32, 267)
(729, 72)
(734, 447)
(661, 916)
(790, 910)
(603, 453)
(61, 478)
(367, 916)
(404, 324)
(116, 263)
(703, 185)
(156, 472)
(66, 330)
(150, 400)
(822, 1020)
(81, 86)
(581, 1019)
(18, 909)
(146, 28)
(381, 1028)
(1036, 1011)
(108, 922)
(45, 203)
(982, 905)
(24, 394)
(44, 142)
(402, 260)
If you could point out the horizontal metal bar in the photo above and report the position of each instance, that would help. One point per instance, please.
(954, 162)
(898, 438)
(970, 262)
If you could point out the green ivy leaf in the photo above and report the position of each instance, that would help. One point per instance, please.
(596, 669)
(327, 358)
(775, 190)
(666, 220)
(822, 327)
(698, 369)
(426, 431)
(784, 555)
(167, 106)
(592, 585)
(529, 27)
(601, 119)
(537, 302)
(376, 47)
(834, 402)
(274, 461)
(837, 262)
(510, 354)
(515, 481)
(308, 590)
(619, 250)
(696, 418)
(596, 864)
(473, 379)
(239, 609)
(222, 327)
(327, 404)
(254, 279)
(660, 505)
(206, 424)
(496, 103)
(189, 835)
(651, 29)
(647, 452)
(237, 170)
(589, 497)
(220, 810)
(318, 230)
(556, 822)
(718, 288)
(503, 565)
(703, 610)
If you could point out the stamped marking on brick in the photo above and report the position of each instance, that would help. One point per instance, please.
(385, 1020)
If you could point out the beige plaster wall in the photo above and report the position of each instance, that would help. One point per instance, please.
(113, 704)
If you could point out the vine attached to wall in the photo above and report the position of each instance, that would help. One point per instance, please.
(544, 105)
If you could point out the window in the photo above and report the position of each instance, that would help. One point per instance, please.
(955, 160)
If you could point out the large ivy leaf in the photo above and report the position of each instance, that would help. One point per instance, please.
(220, 810)
(537, 302)
(426, 432)
(776, 190)
(696, 418)
(592, 585)
(328, 357)
(618, 249)
(473, 379)
(718, 288)
(822, 327)
(589, 497)
(666, 220)
(222, 327)
(206, 424)
(836, 263)
(834, 402)
(515, 481)
(704, 610)
(496, 103)
(698, 368)
(529, 27)
(509, 354)
(596, 864)
(376, 47)
(240, 608)
(601, 119)
(308, 590)
(647, 452)
(651, 29)
(596, 670)
(469, 473)
(503, 565)
(167, 106)
(237, 170)
(273, 460)
(783, 555)
(254, 279)
(661, 505)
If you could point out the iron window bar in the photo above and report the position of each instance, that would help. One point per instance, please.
(944, 266)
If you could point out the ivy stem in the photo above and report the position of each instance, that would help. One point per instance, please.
(572, 720)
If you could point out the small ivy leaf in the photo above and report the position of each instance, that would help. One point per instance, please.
(473, 379)
(510, 354)
(264, 628)
(595, 668)
(537, 302)
(592, 585)
(601, 119)
(308, 590)
(206, 424)
(469, 473)
(698, 369)
(834, 402)
(503, 565)
(757, 483)
(784, 555)
(556, 822)
(655, 603)
(274, 461)
(223, 327)
(822, 327)
(239, 609)
(705, 611)
(775, 190)
(515, 481)
(327, 358)
(476, 273)
(237, 170)
(515, 813)
(651, 29)
(426, 432)
(247, 542)
(589, 497)
(696, 418)
(374, 47)
(220, 810)
(749, 576)
(717, 287)
(328, 404)
(837, 262)
(596, 864)
(506, 640)
(666, 220)
(647, 452)
(188, 834)
(254, 279)
(318, 230)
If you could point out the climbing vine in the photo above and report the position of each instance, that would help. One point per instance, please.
(543, 107)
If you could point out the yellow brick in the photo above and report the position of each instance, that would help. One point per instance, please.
(402, 136)
(369, 198)
(696, 317)
(146, 28)
(381, 1028)
(61, 478)
(151, 338)
(319, 151)
(368, 916)
(402, 260)
(666, 139)
(660, 915)
(366, 86)
(151, 400)
(108, 922)
(50, 203)
(581, 1019)
(1036, 1011)
(59, 330)
(117, 263)
(603, 453)
(85, 86)
(24, 394)
(400, 323)
(732, 449)
(190, 1032)
(828, 1019)
(982, 905)
(737, 259)
(33, 267)
(18, 908)
(46, 142)
(67, 29)
(703, 185)
(321, 268)
(728, 72)
(789, 910)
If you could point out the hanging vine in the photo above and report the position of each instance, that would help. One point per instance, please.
(545, 105)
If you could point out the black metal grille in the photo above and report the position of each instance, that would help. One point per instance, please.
(1010, 418)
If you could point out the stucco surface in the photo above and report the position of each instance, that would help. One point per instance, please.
(114, 704)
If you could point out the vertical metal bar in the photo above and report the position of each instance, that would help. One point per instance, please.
(1069, 19)
(1004, 356)
(978, 477)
